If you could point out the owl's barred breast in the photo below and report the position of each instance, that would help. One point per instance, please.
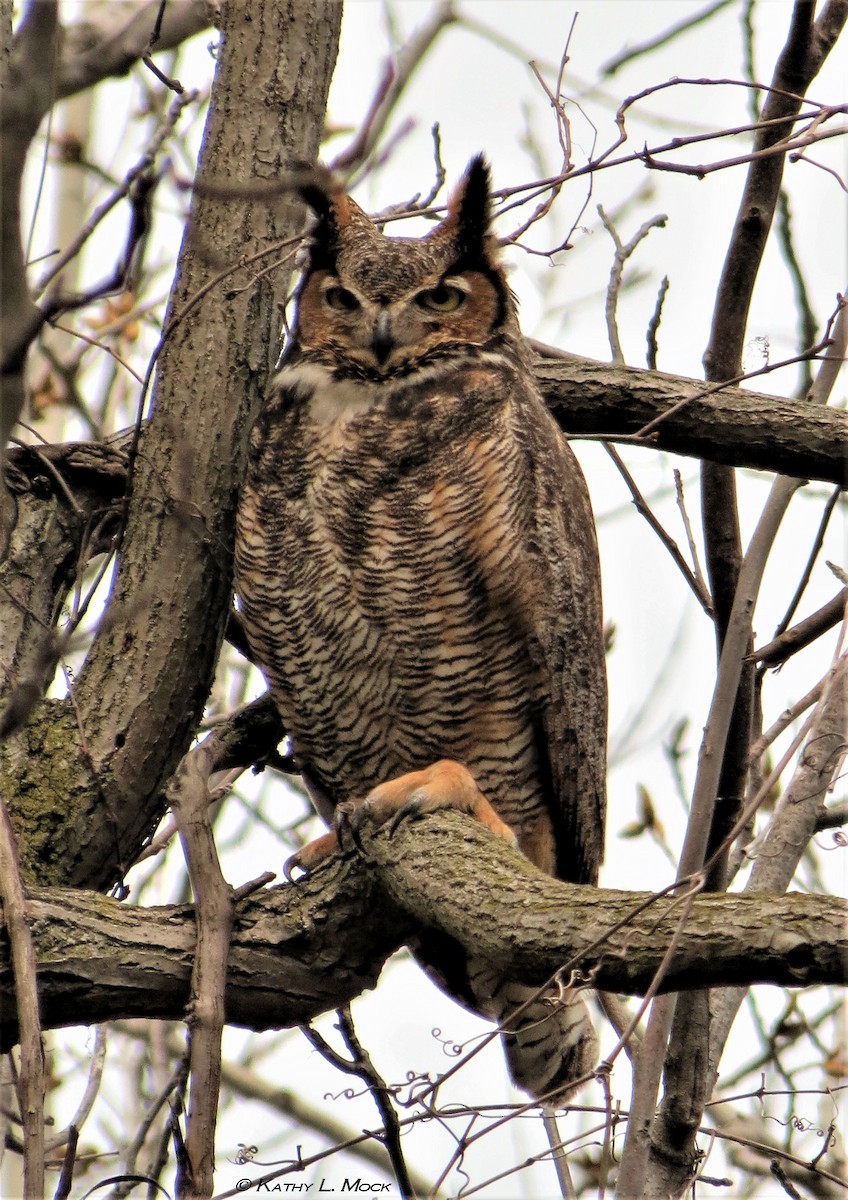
(382, 561)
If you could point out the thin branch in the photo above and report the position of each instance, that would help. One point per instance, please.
(759, 747)
(650, 156)
(805, 632)
(807, 323)
(794, 821)
(250, 1085)
(94, 52)
(66, 1176)
(139, 169)
(393, 84)
(174, 1086)
(654, 325)
(92, 1087)
(661, 39)
(690, 538)
(365, 1069)
(24, 967)
(622, 253)
(801, 806)
(815, 550)
(215, 913)
(642, 507)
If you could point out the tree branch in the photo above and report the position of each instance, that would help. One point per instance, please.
(31, 1082)
(27, 81)
(594, 399)
(214, 911)
(776, 858)
(732, 426)
(92, 52)
(302, 949)
(792, 640)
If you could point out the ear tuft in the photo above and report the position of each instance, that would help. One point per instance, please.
(324, 194)
(337, 216)
(469, 211)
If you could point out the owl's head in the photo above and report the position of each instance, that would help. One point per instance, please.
(377, 306)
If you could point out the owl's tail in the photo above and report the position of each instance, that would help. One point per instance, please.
(549, 1040)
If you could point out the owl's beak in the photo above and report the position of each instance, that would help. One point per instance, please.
(382, 342)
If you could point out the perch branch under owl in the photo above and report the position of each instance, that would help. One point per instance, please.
(299, 951)
(592, 399)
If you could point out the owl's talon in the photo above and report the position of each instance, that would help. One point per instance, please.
(291, 865)
(347, 821)
(310, 856)
(407, 812)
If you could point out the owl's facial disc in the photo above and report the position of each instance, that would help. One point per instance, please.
(389, 334)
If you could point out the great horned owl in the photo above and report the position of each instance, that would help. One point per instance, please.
(417, 567)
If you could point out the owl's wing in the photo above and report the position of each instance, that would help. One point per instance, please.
(563, 620)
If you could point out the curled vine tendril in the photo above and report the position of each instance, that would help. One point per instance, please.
(450, 1048)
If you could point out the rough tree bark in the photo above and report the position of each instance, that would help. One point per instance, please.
(301, 949)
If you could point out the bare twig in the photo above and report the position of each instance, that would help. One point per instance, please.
(793, 825)
(93, 52)
(360, 1065)
(171, 1091)
(92, 1087)
(786, 718)
(696, 585)
(654, 325)
(143, 166)
(66, 1176)
(690, 538)
(815, 550)
(661, 39)
(394, 82)
(807, 324)
(794, 822)
(622, 253)
(381, 1095)
(250, 1084)
(558, 1155)
(607, 160)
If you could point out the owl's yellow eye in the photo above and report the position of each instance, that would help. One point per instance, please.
(441, 299)
(341, 299)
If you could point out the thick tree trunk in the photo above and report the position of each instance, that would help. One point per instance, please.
(145, 681)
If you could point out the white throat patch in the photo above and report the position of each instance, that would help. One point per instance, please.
(329, 400)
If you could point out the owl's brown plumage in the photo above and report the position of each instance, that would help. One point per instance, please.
(416, 559)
